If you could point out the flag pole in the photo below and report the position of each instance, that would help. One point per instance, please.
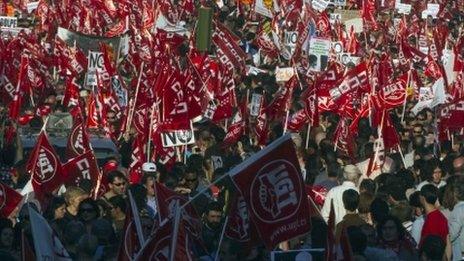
(135, 215)
(226, 222)
(131, 110)
(307, 135)
(150, 131)
(204, 190)
(286, 122)
(406, 94)
(175, 232)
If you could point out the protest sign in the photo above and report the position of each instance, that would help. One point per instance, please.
(262, 9)
(8, 22)
(319, 49)
(256, 100)
(284, 74)
(320, 5)
(347, 14)
(177, 138)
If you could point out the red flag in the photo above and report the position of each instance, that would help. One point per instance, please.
(355, 79)
(432, 69)
(45, 168)
(261, 127)
(15, 105)
(71, 94)
(368, 14)
(158, 246)
(166, 201)
(282, 99)
(310, 100)
(130, 244)
(239, 226)
(175, 111)
(78, 139)
(228, 51)
(298, 120)
(84, 166)
(9, 200)
(138, 158)
(330, 253)
(274, 193)
(343, 138)
(352, 46)
(235, 129)
(392, 95)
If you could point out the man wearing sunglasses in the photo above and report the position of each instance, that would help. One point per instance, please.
(117, 184)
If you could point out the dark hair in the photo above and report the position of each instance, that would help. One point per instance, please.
(396, 188)
(5, 223)
(90, 202)
(430, 193)
(112, 175)
(146, 176)
(379, 210)
(459, 188)
(430, 166)
(367, 185)
(55, 203)
(399, 227)
(213, 206)
(365, 201)
(433, 247)
(414, 199)
(350, 199)
(119, 202)
(402, 211)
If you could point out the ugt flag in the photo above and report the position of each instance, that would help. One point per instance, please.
(272, 186)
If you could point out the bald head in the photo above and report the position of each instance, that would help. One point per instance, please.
(458, 165)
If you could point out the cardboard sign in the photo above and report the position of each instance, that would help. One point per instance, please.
(346, 58)
(8, 22)
(261, 9)
(255, 104)
(320, 5)
(319, 53)
(291, 38)
(357, 24)
(284, 74)
(177, 138)
(403, 8)
(347, 14)
(119, 90)
(31, 6)
(95, 64)
(338, 2)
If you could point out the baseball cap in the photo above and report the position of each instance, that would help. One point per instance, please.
(149, 167)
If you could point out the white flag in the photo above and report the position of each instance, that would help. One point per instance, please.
(47, 245)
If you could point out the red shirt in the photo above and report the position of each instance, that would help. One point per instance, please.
(435, 224)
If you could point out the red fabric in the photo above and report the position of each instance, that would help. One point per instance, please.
(129, 245)
(435, 224)
(9, 200)
(78, 139)
(81, 167)
(275, 196)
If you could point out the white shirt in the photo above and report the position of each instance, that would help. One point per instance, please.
(416, 228)
(336, 194)
(456, 225)
(423, 183)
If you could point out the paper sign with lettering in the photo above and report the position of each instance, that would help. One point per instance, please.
(432, 9)
(403, 8)
(319, 52)
(348, 14)
(261, 9)
(255, 104)
(284, 74)
(338, 2)
(31, 6)
(95, 64)
(8, 22)
(320, 5)
(177, 138)
(291, 38)
(357, 24)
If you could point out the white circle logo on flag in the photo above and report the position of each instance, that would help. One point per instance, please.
(276, 191)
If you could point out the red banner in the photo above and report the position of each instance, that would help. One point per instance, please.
(9, 200)
(275, 195)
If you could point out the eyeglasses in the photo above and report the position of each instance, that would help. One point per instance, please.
(119, 184)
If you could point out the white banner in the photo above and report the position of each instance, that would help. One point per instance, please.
(320, 5)
(284, 74)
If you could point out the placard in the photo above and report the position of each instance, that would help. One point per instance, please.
(347, 14)
(403, 8)
(95, 63)
(291, 38)
(320, 5)
(319, 49)
(31, 6)
(255, 104)
(8, 22)
(261, 9)
(432, 9)
(177, 138)
(284, 74)
(357, 24)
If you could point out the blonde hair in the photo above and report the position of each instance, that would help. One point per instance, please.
(73, 192)
(351, 173)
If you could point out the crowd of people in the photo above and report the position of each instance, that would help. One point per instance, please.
(389, 175)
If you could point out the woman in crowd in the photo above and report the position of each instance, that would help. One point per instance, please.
(393, 236)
